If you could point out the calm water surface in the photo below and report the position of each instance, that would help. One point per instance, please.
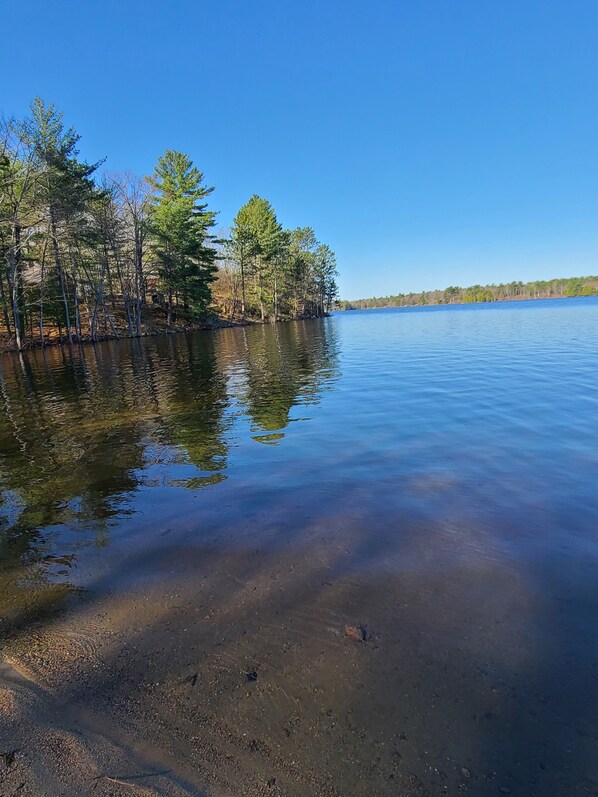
(430, 475)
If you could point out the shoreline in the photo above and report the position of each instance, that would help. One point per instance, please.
(215, 323)
(514, 299)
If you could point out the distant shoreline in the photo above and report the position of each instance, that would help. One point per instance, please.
(558, 288)
(465, 304)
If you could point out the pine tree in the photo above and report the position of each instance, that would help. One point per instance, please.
(258, 242)
(65, 190)
(324, 278)
(302, 247)
(180, 225)
(18, 219)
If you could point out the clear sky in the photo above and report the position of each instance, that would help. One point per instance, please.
(429, 142)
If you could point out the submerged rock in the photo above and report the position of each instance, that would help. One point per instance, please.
(356, 632)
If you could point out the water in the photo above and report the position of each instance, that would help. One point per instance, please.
(178, 512)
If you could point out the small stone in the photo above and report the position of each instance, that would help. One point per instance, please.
(504, 790)
(356, 632)
(8, 758)
(465, 773)
(251, 675)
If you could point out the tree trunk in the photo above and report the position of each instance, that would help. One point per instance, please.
(169, 310)
(19, 279)
(93, 322)
(109, 322)
(42, 284)
(60, 272)
(261, 295)
(126, 298)
(242, 290)
(5, 307)
(77, 313)
(138, 282)
(13, 286)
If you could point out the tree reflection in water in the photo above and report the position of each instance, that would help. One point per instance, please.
(83, 429)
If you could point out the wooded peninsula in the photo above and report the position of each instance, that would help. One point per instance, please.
(510, 291)
(89, 257)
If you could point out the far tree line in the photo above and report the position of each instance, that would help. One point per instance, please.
(84, 256)
(538, 289)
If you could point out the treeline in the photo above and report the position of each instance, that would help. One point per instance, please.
(266, 271)
(84, 257)
(539, 289)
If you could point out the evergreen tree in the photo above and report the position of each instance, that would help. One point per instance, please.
(18, 218)
(326, 290)
(66, 188)
(180, 224)
(301, 256)
(258, 240)
(78, 258)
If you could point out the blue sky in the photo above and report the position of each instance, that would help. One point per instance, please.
(428, 142)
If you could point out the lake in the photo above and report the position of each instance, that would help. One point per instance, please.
(349, 556)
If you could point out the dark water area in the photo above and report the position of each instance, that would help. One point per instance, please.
(226, 504)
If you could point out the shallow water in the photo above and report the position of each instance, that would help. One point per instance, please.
(179, 512)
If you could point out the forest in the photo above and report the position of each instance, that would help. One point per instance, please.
(87, 255)
(539, 289)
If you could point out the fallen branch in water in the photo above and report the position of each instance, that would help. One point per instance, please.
(127, 782)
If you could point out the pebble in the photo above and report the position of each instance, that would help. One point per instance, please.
(356, 632)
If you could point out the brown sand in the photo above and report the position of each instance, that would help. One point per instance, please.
(232, 673)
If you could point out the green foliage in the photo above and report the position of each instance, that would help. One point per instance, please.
(258, 243)
(65, 186)
(289, 273)
(539, 289)
(324, 275)
(181, 223)
(86, 258)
